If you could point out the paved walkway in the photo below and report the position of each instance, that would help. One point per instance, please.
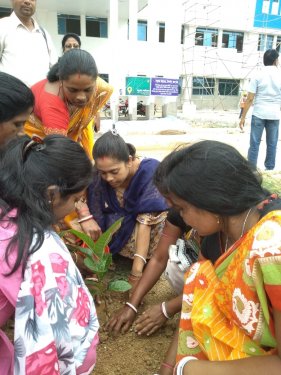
(148, 140)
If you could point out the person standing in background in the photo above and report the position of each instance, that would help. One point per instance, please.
(26, 49)
(242, 103)
(265, 88)
(70, 40)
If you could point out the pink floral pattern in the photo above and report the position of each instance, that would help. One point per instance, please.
(82, 311)
(45, 361)
(56, 327)
(59, 264)
(38, 280)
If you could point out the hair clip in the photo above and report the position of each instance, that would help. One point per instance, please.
(114, 130)
(36, 143)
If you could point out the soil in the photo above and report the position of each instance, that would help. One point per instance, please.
(130, 354)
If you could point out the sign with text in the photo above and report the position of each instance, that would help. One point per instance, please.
(164, 87)
(138, 86)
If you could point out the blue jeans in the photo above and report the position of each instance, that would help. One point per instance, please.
(271, 130)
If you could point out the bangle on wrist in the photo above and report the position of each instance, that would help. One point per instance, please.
(167, 365)
(182, 363)
(85, 218)
(164, 311)
(132, 307)
(140, 256)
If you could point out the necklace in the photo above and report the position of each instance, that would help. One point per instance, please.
(245, 221)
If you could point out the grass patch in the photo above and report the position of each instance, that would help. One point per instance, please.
(272, 182)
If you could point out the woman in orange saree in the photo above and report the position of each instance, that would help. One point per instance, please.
(69, 99)
(230, 321)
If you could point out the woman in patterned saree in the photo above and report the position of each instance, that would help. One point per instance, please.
(68, 101)
(56, 327)
(231, 311)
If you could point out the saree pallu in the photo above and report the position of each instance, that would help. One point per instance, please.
(80, 124)
(227, 307)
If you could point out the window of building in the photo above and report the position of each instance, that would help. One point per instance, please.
(5, 12)
(265, 42)
(278, 43)
(68, 23)
(229, 87)
(96, 27)
(142, 30)
(104, 76)
(206, 37)
(232, 39)
(162, 32)
(203, 86)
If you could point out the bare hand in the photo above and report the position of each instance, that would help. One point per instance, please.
(121, 321)
(91, 228)
(241, 124)
(150, 321)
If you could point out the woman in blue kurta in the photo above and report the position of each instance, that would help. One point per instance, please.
(123, 187)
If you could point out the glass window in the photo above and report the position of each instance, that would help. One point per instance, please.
(68, 24)
(229, 87)
(96, 27)
(203, 86)
(5, 12)
(104, 76)
(278, 43)
(142, 30)
(265, 42)
(232, 39)
(162, 32)
(206, 37)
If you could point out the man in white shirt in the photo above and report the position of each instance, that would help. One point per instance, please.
(26, 49)
(266, 90)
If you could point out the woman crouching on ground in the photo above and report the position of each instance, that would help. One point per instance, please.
(231, 310)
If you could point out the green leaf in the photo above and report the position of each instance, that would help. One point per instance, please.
(84, 237)
(119, 286)
(105, 238)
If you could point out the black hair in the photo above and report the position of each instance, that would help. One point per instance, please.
(212, 176)
(72, 62)
(24, 180)
(270, 56)
(70, 35)
(113, 146)
(15, 97)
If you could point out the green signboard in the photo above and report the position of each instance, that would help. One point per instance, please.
(138, 86)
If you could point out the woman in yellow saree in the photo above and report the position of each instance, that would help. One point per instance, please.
(69, 99)
(231, 311)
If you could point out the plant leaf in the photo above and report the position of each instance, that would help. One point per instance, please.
(105, 238)
(84, 237)
(119, 286)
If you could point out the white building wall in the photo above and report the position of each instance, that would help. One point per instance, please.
(219, 62)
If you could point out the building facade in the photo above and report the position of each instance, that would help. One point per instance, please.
(212, 46)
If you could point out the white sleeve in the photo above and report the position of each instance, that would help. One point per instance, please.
(52, 50)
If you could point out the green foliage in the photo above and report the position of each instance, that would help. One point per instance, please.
(97, 259)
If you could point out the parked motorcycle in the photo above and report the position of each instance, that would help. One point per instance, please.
(123, 108)
(140, 108)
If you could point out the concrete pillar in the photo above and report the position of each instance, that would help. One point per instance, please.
(133, 33)
(83, 25)
(219, 38)
(113, 51)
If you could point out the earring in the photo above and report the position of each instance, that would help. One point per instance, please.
(50, 202)
(218, 220)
